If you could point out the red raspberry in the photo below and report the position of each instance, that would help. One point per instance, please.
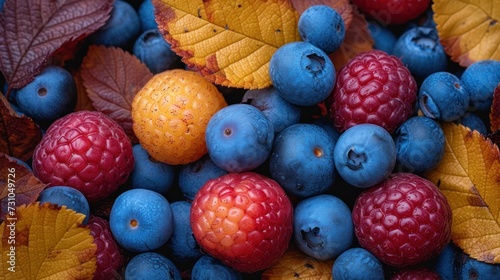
(110, 259)
(373, 87)
(392, 11)
(85, 150)
(403, 221)
(243, 219)
(418, 273)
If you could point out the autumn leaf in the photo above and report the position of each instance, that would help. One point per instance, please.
(228, 42)
(469, 177)
(495, 110)
(32, 31)
(343, 7)
(294, 264)
(357, 40)
(19, 135)
(18, 185)
(468, 29)
(49, 243)
(83, 102)
(112, 77)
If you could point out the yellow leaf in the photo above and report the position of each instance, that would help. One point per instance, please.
(469, 177)
(46, 242)
(294, 264)
(469, 29)
(228, 42)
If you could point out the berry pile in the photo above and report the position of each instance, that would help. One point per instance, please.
(220, 182)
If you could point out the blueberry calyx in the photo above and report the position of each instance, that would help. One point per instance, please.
(429, 106)
(312, 238)
(426, 38)
(355, 160)
(315, 63)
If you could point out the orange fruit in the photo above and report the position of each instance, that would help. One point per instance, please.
(170, 115)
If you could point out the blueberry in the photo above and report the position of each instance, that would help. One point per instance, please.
(302, 73)
(302, 160)
(152, 49)
(480, 80)
(419, 144)
(357, 263)
(121, 29)
(50, 96)
(469, 268)
(149, 173)
(146, 14)
(70, 197)
(444, 263)
(442, 96)
(151, 265)
(365, 155)
(384, 39)
(141, 220)
(2, 2)
(194, 175)
(327, 125)
(239, 138)
(323, 27)
(182, 243)
(322, 226)
(208, 268)
(474, 122)
(280, 112)
(420, 50)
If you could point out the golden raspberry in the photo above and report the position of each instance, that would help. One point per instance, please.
(170, 115)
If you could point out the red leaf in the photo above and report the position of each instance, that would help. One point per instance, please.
(17, 185)
(112, 77)
(19, 134)
(495, 110)
(31, 31)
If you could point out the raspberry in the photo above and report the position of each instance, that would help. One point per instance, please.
(243, 219)
(418, 273)
(110, 259)
(403, 221)
(87, 151)
(170, 115)
(392, 11)
(373, 87)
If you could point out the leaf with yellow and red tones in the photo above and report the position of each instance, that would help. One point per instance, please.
(31, 31)
(469, 30)
(19, 135)
(495, 110)
(343, 7)
(357, 40)
(112, 77)
(83, 102)
(228, 42)
(294, 264)
(468, 176)
(18, 185)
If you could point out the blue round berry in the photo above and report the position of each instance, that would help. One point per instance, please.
(149, 173)
(50, 96)
(280, 112)
(421, 52)
(208, 268)
(383, 38)
(141, 220)
(327, 125)
(194, 175)
(365, 154)
(474, 122)
(357, 263)
(121, 29)
(151, 265)
(480, 80)
(146, 13)
(444, 263)
(66, 196)
(182, 244)
(239, 138)
(323, 27)
(469, 268)
(302, 160)
(419, 144)
(322, 226)
(152, 49)
(442, 96)
(302, 73)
